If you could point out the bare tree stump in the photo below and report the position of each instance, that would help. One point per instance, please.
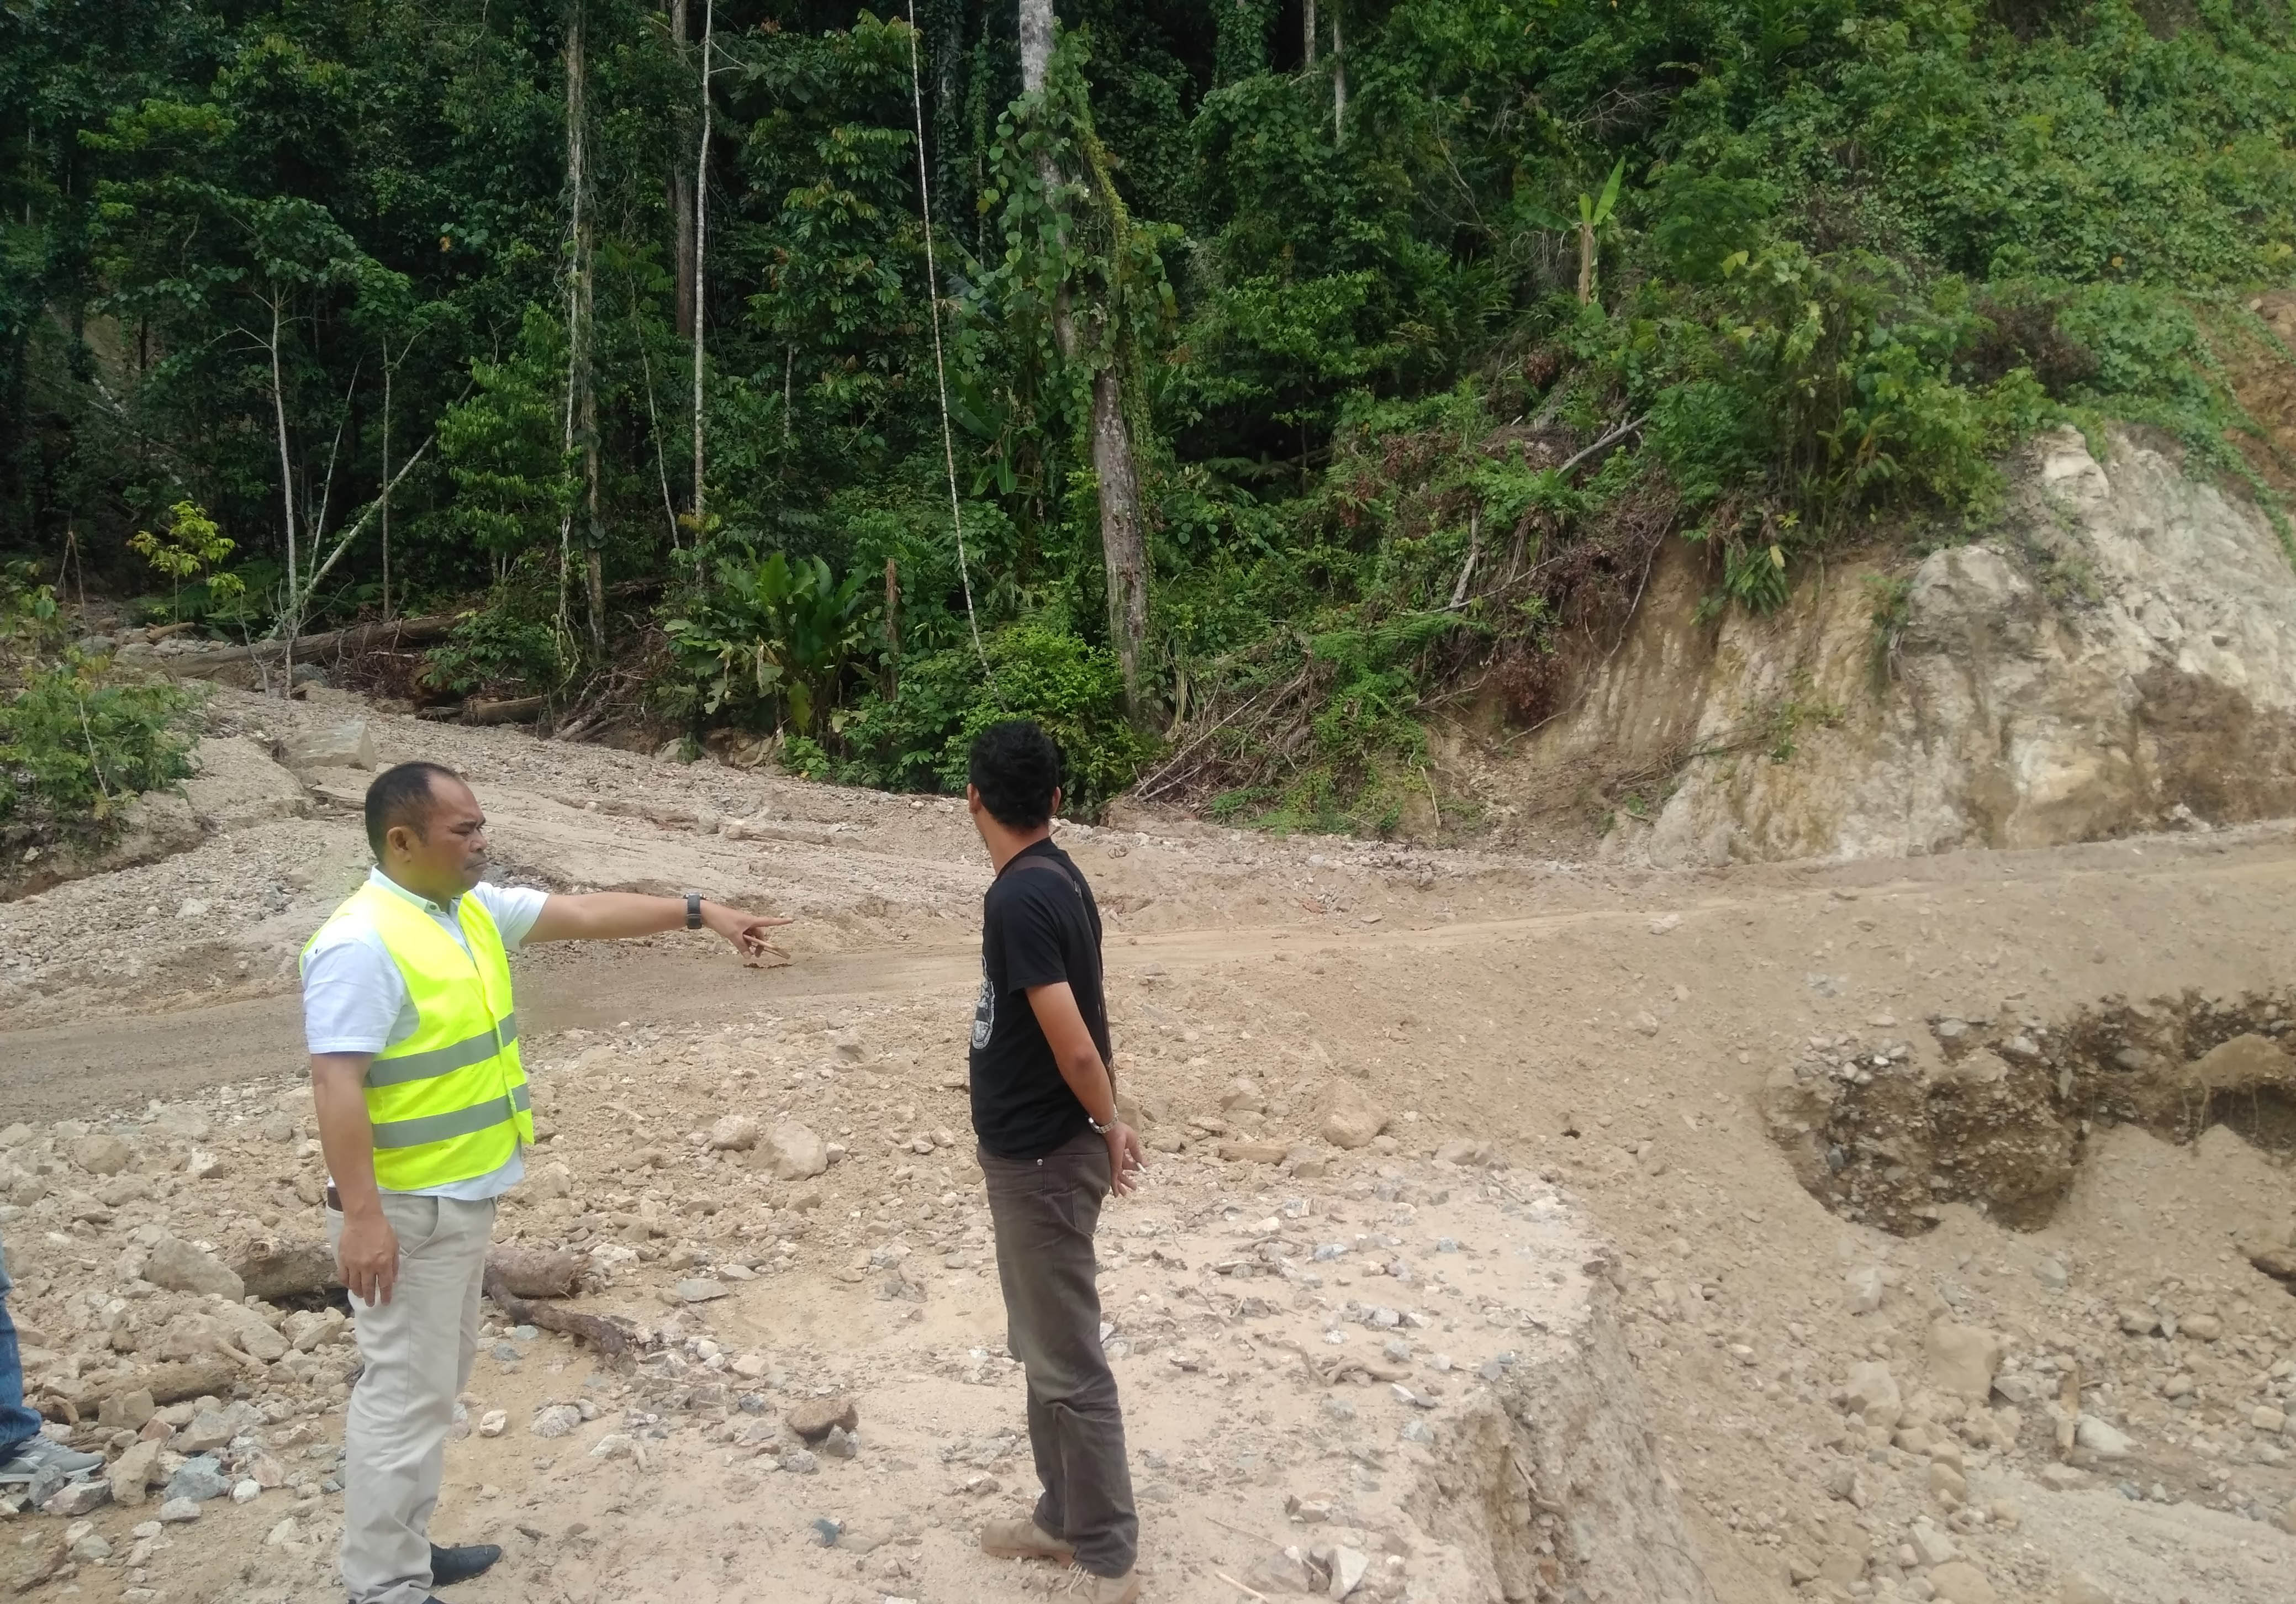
(275, 1269)
(535, 1271)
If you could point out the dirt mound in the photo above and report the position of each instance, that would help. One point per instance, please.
(1999, 1114)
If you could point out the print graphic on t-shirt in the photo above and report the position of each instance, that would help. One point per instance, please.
(984, 1011)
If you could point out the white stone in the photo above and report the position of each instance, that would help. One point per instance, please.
(2101, 1439)
(1862, 1289)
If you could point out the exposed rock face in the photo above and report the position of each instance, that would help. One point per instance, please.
(2120, 657)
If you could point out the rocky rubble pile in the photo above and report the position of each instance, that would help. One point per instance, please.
(180, 1319)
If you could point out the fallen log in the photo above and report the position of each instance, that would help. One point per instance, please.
(515, 709)
(613, 1338)
(535, 1272)
(203, 661)
(166, 1384)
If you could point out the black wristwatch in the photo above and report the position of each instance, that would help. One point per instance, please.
(693, 910)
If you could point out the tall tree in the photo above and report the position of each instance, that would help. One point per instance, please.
(701, 246)
(1123, 542)
(681, 196)
(581, 388)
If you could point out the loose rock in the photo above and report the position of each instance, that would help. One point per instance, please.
(1962, 1582)
(794, 1153)
(180, 1267)
(734, 1133)
(1350, 1120)
(349, 744)
(1963, 1360)
(815, 1417)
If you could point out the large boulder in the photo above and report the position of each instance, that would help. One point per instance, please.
(1963, 1360)
(1350, 1118)
(794, 1153)
(101, 1153)
(177, 1265)
(348, 743)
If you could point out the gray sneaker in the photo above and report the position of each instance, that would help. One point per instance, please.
(41, 1456)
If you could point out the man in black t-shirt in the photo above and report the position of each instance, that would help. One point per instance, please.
(1052, 1150)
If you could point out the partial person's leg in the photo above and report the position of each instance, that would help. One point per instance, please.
(18, 1424)
(1013, 1186)
(467, 1355)
(395, 1436)
(1045, 1219)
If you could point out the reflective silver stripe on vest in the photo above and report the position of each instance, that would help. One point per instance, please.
(442, 1128)
(442, 1061)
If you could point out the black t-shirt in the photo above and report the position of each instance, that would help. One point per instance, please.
(1040, 927)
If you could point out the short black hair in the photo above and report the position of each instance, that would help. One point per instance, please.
(401, 795)
(1016, 767)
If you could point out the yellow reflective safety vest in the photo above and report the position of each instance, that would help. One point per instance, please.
(449, 1102)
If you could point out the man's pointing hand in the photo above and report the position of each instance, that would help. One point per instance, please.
(746, 930)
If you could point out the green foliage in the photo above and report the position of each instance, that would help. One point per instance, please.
(505, 647)
(505, 447)
(73, 748)
(767, 639)
(918, 739)
(29, 621)
(189, 544)
(1807, 267)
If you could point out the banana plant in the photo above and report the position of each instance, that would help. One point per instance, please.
(773, 631)
(1594, 216)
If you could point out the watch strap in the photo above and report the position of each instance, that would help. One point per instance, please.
(693, 910)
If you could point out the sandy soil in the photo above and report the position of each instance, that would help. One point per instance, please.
(1609, 1034)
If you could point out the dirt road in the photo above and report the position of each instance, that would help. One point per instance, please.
(125, 1059)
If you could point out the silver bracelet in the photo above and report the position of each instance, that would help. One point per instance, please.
(1098, 1129)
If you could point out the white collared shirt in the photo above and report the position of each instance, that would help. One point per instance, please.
(355, 1000)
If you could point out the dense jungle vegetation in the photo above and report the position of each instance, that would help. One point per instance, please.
(1267, 369)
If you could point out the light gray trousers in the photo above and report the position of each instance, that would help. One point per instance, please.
(418, 1349)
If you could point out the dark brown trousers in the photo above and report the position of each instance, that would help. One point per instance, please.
(1045, 1211)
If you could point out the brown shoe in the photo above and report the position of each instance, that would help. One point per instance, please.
(1103, 1590)
(1024, 1539)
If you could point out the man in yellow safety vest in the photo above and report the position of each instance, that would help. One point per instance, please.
(424, 1117)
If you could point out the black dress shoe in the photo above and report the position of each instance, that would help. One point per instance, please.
(449, 1565)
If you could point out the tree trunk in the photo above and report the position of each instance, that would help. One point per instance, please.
(577, 180)
(681, 198)
(892, 683)
(1308, 33)
(700, 242)
(386, 479)
(1036, 44)
(1121, 540)
(286, 472)
(1122, 547)
(1339, 83)
(586, 389)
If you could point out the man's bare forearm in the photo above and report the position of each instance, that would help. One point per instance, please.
(608, 916)
(1094, 1087)
(346, 1134)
